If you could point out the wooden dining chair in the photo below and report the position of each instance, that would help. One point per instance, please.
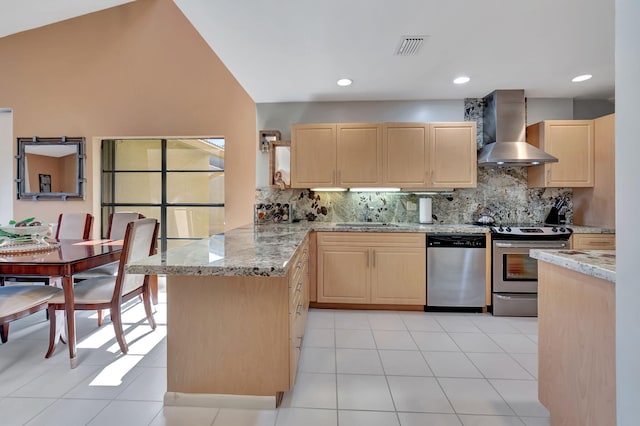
(117, 227)
(18, 301)
(110, 292)
(74, 226)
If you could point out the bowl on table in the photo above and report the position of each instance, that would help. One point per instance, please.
(24, 234)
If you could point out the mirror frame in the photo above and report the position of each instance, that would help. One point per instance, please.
(23, 143)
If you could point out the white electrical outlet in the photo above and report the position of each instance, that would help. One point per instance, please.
(411, 206)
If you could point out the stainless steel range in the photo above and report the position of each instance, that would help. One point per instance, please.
(514, 272)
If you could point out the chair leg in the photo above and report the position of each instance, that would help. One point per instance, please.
(116, 319)
(52, 331)
(4, 332)
(146, 298)
(100, 319)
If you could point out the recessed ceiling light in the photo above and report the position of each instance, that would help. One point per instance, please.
(461, 80)
(345, 82)
(580, 78)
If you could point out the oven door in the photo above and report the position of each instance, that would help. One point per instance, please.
(514, 271)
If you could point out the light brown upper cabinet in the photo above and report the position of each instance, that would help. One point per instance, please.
(336, 155)
(572, 143)
(405, 155)
(453, 155)
(359, 154)
(313, 155)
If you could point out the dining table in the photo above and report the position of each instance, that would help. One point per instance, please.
(63, 259)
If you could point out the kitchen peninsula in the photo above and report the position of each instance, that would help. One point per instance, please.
(576, 337)
(236, 310)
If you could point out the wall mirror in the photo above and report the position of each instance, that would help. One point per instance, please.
(51, 168)
(280, 164)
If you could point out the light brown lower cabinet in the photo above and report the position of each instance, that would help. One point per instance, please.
(371, 268)
(593, 241)
(238, 335)
(576, 347)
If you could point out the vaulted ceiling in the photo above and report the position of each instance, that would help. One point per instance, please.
(296, 50)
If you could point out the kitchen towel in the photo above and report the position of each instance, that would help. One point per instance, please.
(425, 210)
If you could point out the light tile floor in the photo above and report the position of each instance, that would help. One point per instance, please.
(357, 368)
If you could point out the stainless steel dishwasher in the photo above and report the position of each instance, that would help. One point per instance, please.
(456, 270)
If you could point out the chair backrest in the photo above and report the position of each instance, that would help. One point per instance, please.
(139, 242)
(74, 226)
(118, 222)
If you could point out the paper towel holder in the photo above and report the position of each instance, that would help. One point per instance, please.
(425, 210)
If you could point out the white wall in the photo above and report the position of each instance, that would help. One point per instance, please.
(7, 162)
(587, 109)
(627, 207)
(539, 109)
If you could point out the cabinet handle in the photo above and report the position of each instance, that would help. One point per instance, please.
(368, 254)
(374, 258)
(598, 243)
(548, 176)
(338, 181)
(299, 309)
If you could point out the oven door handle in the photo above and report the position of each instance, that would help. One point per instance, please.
(533, 244)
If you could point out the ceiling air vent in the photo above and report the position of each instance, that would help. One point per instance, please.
(410, 45)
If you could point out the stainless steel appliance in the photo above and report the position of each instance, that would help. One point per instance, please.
(504, 116)
(514, 272)
(456, 270)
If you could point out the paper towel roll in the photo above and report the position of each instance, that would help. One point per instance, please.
(425, 210)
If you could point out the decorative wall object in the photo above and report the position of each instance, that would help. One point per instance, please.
(265, 138)
(272, 213)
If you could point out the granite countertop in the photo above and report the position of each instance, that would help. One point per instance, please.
(260, 250)
(393, 227)
(595, 263)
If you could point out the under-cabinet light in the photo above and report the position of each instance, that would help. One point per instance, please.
(329, 189)
(374, 189)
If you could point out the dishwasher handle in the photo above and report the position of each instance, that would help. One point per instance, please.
(533, 244)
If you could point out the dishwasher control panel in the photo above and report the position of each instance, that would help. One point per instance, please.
(457, 240)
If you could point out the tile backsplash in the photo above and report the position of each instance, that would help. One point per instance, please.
(504, 191)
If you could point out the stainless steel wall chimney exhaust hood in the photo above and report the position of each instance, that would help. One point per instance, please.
(504, 132)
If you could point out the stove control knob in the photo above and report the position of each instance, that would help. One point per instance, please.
(508, 229)
(554, 229)
(563, 229)
(500, 229)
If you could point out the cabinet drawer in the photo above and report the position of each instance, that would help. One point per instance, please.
(593, 241)
(369, 239)
(299, 264)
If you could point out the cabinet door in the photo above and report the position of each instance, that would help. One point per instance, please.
(453, 154)
(593, 241)
(571, 142)
(398, 276)
(343, 274)
(359, 155)
(313, 155)
(405, 155)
